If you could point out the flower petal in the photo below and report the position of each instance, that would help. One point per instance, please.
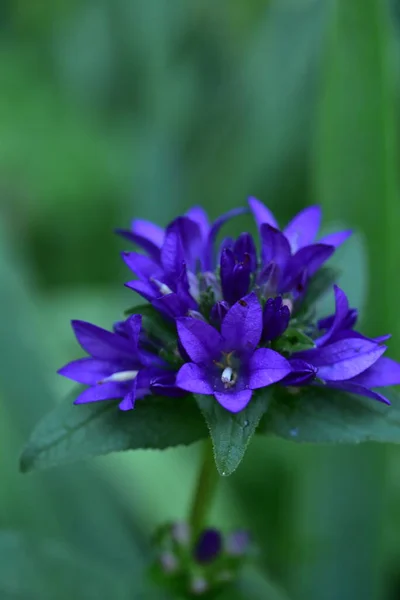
(233, 400)
(275, 247)
(148, 230)
(209, 258)
(261, 213)
(88, 370)
(242, 326)
(145, 289)
(105, 391)
(308, 259)
(194, 378)
(200, 340)
(303, 228)
(382, 373)
(339, 319)
(199, 216)
(336, 239)
(343, 359)
(267, 367)
(101, 343)
(359, 390)
(245, 250)
(189, 249)
(302, 373)
(143, 266)
(128, 402)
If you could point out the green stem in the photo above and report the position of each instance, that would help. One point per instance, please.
(204, 492)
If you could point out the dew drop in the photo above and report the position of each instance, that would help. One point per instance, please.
(294, 432)
(246, 423)
(223, 474)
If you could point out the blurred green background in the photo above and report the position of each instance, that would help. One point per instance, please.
(111, 109)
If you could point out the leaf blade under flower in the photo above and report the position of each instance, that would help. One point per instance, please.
(70, 433)
(231, 432)
(324, 416)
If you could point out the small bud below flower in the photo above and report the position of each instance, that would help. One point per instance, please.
(181, 533)
(169, 562)
(199, 586)
(237, 543)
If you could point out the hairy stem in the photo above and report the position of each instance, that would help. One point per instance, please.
(204, 491)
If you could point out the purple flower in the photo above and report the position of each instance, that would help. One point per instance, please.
(208, 546)
(197, 235)
(237, 267)
(294, 251)
(117, 367)
(344, 359)
(302, 229)
(276, 317)
(228, 364)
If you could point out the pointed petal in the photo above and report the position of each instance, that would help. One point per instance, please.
(261, 213)
(105, 391)
(382, 373)
(128, 402)
(171, 305)
(336, 239)
(134, 327)
(303, 228)
(144, 243)
(267, 367)
(209, 252)
(101, 343)
(145, 289)
(242, 326)
(359, 390)
(302, 373)
(183, 243)
(275, 247)
(143, 266)
(200, 340)
(344, 359)
(199, 216)
(245, 250)
(307, 260)
(234, 401)
(88, 370)
(165, 385)
(339, 318)
(194, 378)
(148, 230)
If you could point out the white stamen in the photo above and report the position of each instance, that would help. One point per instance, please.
(164, 289)
(121, 377)
(228, 376)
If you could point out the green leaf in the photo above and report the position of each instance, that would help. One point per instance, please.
(47, 569)
(70, 433)
(231, 432)
(293, 340)
(323, 415)
(253, 584)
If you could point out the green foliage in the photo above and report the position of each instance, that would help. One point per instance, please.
(231, 433)
(321, 415)
(71, 433)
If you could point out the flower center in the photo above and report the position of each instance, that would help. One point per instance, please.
(229, 374)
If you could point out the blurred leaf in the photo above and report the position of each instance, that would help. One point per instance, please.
(69, 433)
(32, 569)
(322, 415)
(293, 340)
(253, 585)
(231, 432)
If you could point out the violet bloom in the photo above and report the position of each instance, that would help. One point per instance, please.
(294, 251)
(117, 367)
(345, 359)
(228, 365)
(208, 546)
(197, 234)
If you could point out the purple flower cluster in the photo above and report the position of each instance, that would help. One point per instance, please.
(231, 309)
